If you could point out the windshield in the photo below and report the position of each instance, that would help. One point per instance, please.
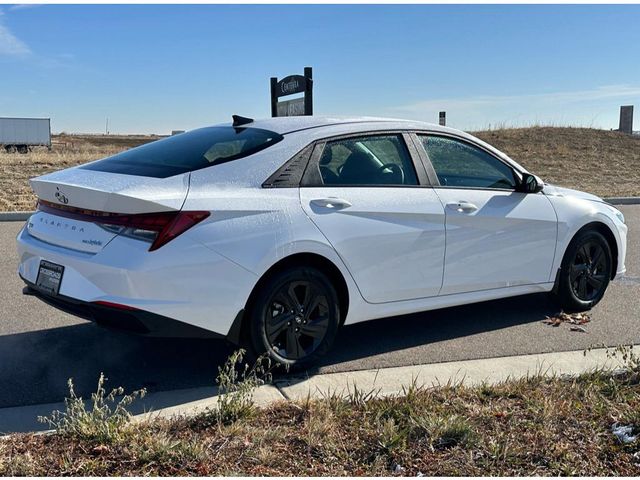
(187, 152)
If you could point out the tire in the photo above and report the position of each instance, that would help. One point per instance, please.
(585, 272)
(294, 317)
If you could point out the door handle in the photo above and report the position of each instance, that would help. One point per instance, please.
(462, 206)
(331, 202)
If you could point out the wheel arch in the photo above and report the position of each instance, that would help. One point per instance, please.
(608, 234)
(315, 260)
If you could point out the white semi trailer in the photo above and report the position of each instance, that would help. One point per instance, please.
(20, 134)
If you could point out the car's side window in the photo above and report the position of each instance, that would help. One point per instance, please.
(367, 160)
(459, 164)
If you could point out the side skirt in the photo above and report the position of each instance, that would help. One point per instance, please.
(363, 311)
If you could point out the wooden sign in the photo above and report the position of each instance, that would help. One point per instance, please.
(291, 108)
(291, 85)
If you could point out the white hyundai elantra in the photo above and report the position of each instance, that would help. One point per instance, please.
(274, 233)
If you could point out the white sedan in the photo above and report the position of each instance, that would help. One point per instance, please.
(274, 233)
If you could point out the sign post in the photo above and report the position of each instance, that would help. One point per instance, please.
(291, 85)
(626, 119)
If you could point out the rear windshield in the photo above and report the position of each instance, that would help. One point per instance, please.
(187, 152)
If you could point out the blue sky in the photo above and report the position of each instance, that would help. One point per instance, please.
(151, 68)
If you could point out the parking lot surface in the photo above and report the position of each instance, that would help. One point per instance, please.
(41, 347)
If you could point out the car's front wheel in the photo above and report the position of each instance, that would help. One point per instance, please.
(585, 272)
(294, 316)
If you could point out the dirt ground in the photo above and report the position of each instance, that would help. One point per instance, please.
(602, 162)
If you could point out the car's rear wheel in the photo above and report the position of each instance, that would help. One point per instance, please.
(585, 272)
(294, 316)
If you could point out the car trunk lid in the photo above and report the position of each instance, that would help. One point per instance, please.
(75, 190)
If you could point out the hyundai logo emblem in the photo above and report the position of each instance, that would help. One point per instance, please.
(62, 198)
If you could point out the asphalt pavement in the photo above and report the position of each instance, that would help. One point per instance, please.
(41, 347)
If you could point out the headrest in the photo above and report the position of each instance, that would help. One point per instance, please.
(327, 156)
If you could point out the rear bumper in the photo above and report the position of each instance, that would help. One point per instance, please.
(134, 321)
(181, 289)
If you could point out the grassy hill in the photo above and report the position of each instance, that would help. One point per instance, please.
(599, 161)
(602, 162)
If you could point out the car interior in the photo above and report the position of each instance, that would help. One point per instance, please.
(361, 162)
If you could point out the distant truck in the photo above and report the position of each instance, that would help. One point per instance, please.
(20, 134)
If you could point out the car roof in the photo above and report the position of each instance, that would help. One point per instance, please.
(311, 128)
(286, 125)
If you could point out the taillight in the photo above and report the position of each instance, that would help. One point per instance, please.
(157, 228)
(181, 222)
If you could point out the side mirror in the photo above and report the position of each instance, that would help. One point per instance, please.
(531, 183)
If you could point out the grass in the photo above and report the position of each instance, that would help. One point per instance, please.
(603, 162)
(68, 151)
(533, 426)
(606, 163)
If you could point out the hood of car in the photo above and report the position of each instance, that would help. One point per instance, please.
(555, 191)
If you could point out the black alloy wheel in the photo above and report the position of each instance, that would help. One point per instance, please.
(589, 271)
(297, 319)
(585, 272)
(295, 316)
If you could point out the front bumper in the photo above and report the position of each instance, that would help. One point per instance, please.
(620, 234)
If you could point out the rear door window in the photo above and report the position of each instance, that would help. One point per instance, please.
(369, 160)
(187, 152)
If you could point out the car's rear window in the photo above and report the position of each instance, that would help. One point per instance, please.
(187, 152)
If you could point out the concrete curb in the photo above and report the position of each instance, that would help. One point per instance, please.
(15, 216)
(380, 382)
(623, 200)
(263, 396)
(395, 380)
(184, 402)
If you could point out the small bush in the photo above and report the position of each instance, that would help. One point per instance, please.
(103, 422)
(236, 383)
